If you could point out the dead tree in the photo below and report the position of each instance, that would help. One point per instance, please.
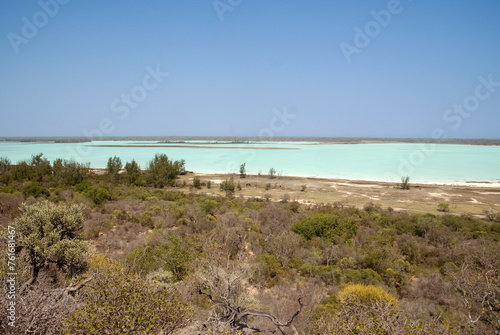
(234, 316)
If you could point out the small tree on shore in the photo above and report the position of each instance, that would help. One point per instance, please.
(69, 172)
(272, 173)
(114, 165)
(197, 182)
(405, 183)
(443, 207)
(162, 170)
(243, 172)
(133, 173)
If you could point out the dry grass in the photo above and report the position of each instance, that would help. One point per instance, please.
(421, 198)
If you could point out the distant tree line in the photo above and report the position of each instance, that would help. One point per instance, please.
(161, 171)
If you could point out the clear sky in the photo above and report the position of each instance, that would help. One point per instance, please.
(236, 67)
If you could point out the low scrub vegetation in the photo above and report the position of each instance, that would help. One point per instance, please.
(129, 252)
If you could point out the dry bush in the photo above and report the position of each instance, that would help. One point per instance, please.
(274, 218)
(433, 287)
(9, 204)
(477, 280)
(378, 318)
(283, 246)
(40, 309)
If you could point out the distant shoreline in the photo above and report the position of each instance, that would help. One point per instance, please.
(243, 140)
(194, 146)
(360, 182)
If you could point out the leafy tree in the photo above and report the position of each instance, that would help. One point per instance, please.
(243, 173)
(4, 164)
(70, 172)
(47, 234)
(162, 170)
(34, 169)
(39, 167)
(21, 171)
(133, 173)
(114, 165)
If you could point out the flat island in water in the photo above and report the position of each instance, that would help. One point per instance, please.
(384, 160)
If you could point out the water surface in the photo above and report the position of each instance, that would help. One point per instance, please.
(424, 163)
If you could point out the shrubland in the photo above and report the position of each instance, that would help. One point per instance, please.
(132, 251)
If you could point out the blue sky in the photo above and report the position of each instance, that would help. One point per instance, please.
(234, 65)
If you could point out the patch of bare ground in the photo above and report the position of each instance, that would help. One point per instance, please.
(421, 198)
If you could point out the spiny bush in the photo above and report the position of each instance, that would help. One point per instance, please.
(120, 303)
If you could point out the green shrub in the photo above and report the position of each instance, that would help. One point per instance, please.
(270, 268)
(197, 182)
(146, 220)
(327, 306)
(162, 170)
(98, 194)
(35, 190)
(444, 207)
(363, 276)
(166, 251)
(208, 205)
(9, 189)
(325, 226)
(228, 185)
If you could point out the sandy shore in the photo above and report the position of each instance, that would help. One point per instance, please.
(471, 197)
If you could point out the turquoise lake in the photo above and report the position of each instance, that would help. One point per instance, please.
(424, 163)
